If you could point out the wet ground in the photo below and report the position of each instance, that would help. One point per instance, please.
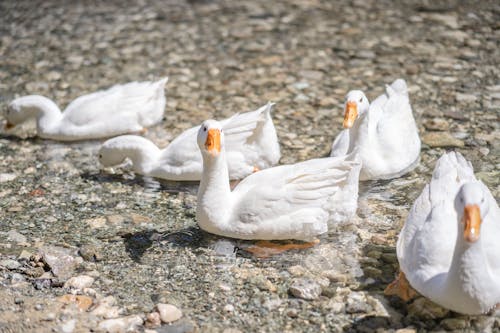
(136, 239)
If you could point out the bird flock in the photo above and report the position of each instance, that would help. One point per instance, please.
(448, 248)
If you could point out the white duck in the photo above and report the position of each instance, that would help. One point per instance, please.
(285, 202)
(252, 144)
(384, 133)
(118, 110)
(449, 247)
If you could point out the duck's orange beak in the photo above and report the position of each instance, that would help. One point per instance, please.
(9, 125)
(212, 144)
(350, 115)
(472, 223)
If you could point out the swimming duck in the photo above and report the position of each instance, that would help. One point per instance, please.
(384, 133)
(252, 144)
(294, 201)
(448, 249)
(118, 110)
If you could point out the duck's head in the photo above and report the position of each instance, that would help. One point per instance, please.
(472, 206)
(355, 105)
(109, 156)
(210, 138)
(16, 113)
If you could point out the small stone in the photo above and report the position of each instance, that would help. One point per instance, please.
(292, 313)
(138, 219)
(441, 139)
(120, 325)
(17, 278)
(465, 98)
(10, 264)
(15, 236)
(115, 219)
(406, 330)
(306, 289)
(82, 302)
(168, 312)
(454, 324)
(25, 255)
(106, 309)
(68, 326)
(297, 270)
(90, 252)
(228, 308)
(7, 177)
(426, 309)
(356, 303)
(153, 320)
(96, 223)
(436, 124)
(79, 282)
(60, 261)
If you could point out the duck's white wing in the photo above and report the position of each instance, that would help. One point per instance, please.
(340, 145)
(181, 159)
(244, 143)
(251, 141)
(142, 102)
(290, 201)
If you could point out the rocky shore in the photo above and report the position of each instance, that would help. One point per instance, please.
(84, 249)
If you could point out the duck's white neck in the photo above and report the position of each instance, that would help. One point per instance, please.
(468, 279)
(214, 193)
(46, 112)
(143, 153)
(359, 132)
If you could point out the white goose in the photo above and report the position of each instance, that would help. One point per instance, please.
(284, 202)
(118, 110)
(449, 247)
(384, 133)
(252, 144)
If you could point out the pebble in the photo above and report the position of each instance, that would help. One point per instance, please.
(153, 320)
(228, 308)
(10, 264)
(356, 303)
(68, 326)
(168, 312)
(82, 302)
(454, 324)
(15, 236)
(465, 98)
(426, 309)
(90, 252)
(60, 261)
(7, 177)
(105, 308)
(120, 325)
(79, 282)
(305, 288)
(441, 139)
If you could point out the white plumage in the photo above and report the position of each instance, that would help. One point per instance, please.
(383, 133)
(251, 142)
(437, 258)
(284, 202)
(118, 110)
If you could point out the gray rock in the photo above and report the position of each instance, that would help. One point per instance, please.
(10, 264)
(79, 282)
(60, 260)
(305, 288)
(14, 236)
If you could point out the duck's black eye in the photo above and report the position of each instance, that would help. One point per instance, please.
(204, 129)
(361, 100)
(482, 200)
(100, 155)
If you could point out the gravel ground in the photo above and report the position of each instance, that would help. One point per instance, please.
(84, 249)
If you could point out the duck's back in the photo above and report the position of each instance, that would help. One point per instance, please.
(121, 108)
